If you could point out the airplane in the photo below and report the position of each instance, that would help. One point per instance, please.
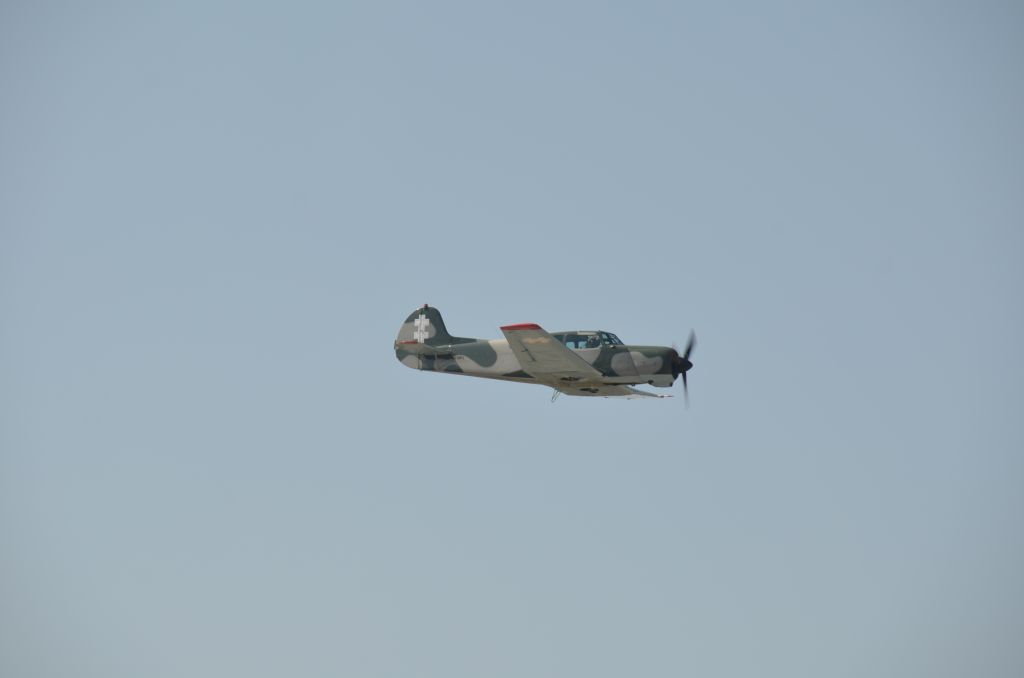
(578, 363)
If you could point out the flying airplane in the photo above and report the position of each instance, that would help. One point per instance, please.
(580, 363)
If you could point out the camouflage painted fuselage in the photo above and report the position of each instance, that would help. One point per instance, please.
(423, 343)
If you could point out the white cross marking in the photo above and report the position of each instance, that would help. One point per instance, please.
(421, 323)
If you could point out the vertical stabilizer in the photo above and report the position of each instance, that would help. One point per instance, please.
(424, 326)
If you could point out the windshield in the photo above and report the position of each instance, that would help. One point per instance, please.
(609, 339)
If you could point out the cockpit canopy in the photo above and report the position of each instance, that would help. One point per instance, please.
(587, 339)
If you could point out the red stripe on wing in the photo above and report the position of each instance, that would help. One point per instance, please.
(524, 326)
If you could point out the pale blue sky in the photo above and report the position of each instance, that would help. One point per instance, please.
(214, 217)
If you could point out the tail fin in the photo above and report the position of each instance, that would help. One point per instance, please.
(424, 326)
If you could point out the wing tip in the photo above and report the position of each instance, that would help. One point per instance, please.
(521, 326)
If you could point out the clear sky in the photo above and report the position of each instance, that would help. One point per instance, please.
(215, 216)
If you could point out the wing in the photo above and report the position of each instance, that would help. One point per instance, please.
(546, 359)
(610, 391)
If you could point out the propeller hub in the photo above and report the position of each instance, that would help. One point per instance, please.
(681, 366)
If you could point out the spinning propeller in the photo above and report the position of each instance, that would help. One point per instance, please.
(681, 365)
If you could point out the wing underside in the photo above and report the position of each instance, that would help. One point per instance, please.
(550, 362)
(610, 391)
